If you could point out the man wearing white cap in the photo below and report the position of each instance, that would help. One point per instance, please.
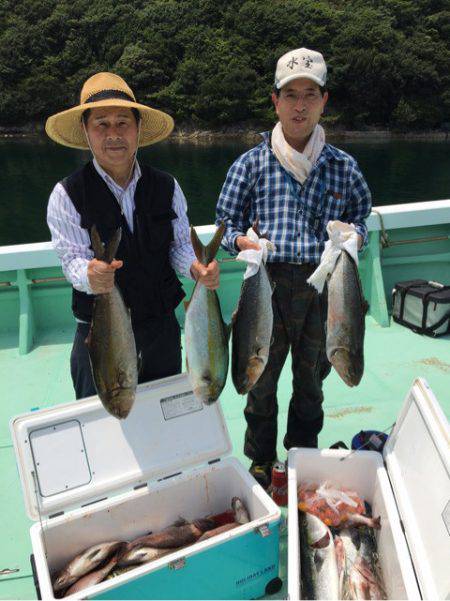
(293, 183)
(113, 190)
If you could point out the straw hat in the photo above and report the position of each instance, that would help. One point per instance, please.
(106, 90)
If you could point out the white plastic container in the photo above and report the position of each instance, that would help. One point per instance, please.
(408, 487)
(88, 477)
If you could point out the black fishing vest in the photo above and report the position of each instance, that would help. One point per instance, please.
(148, 283)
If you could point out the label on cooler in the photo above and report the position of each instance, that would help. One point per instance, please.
(263, 572)
(180, 404)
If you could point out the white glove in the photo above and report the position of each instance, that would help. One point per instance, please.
(254, 257)
(342, 236)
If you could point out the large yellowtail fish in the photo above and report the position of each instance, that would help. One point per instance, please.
(111, 344)
(206, 335)
(252, 329)
(345, 322)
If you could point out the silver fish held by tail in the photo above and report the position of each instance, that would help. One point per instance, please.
(319, 570)
(345, 321)
(111, 344)
(252, 331)
(83, 563)
(206, 335)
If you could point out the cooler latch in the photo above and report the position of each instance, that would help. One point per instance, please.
(263, 530)
(178, 564)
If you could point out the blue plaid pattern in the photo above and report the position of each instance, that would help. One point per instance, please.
(293, 216)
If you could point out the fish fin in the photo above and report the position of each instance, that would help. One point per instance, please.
(113, 245)
(92, 554)
(199, 248)
(318, 560)
(214, 245)
(206, 376)
(355, 537)
(377, 523)
(205, 254)
(97, 244)
(255, 227)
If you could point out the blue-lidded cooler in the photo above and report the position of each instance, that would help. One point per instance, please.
(88, 477)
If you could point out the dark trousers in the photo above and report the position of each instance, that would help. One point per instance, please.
(158, 342)
(299, 326)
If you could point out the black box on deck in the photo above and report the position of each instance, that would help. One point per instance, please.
(423, 306)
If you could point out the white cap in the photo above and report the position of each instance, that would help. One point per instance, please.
(301, 63)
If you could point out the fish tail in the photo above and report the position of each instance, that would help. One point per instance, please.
(108, 252)
(113, 245)
(205, 254)
(255, 227)
(97, 244)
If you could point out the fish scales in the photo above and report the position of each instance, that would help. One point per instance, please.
(111, 343)
(84, 562)
(174, 536)
(362, 577)
(252, 330)
(206, 335)
(345, 320)
(319, 570)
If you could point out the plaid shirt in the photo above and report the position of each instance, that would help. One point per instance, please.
(293, 216)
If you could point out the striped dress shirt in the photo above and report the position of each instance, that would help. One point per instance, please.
(72, 242)
(293, 216)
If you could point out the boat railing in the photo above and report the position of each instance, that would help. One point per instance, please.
(406, 241)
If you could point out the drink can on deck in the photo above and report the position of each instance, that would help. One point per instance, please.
(279, 483)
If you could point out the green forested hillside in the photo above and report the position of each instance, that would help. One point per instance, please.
(211, 62)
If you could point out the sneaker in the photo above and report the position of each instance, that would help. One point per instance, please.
(262, 473)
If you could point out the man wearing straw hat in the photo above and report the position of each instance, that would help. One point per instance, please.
(113, 190)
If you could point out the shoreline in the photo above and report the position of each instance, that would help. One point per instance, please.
(252, 133)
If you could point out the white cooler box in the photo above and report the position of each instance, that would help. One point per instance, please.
(408, 487)
(88, 477)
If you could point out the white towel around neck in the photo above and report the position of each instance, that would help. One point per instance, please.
(298, 164)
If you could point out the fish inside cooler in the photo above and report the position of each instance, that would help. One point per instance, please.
(382, 546)
(202, 493)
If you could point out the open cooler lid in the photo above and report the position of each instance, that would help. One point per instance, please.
(417, 456)
(77, 453)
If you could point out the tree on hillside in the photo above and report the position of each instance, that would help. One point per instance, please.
(211, 62)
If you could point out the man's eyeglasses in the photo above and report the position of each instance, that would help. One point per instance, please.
(307, 98)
